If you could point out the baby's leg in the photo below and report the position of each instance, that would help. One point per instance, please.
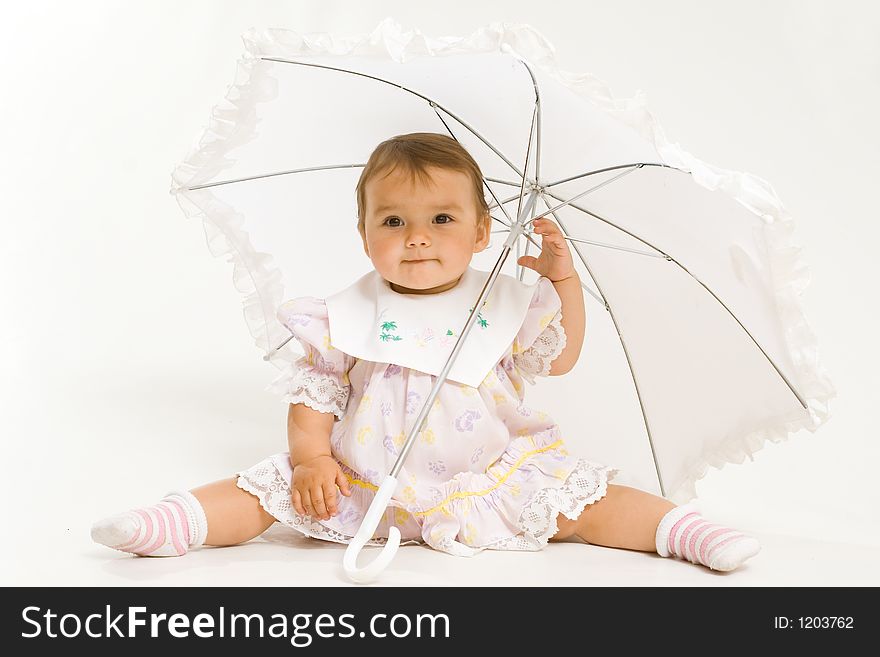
(218, 514)
(234, 515)
(637, 520)
(625, 518)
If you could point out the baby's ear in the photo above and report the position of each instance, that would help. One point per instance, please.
(483, 234)
(364, 240)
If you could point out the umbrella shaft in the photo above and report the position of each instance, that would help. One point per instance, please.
(515, 231)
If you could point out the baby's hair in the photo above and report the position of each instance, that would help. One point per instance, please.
(414, 152)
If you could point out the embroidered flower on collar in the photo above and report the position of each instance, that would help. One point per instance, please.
(423, 338)
(482, 322)
(447, 339)
(386, 328)
(388, 332)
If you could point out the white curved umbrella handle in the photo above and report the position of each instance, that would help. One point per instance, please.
(365, 533)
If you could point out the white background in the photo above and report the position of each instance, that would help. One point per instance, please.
(127, 368)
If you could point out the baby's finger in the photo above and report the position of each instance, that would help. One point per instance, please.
(528, 261)
(296, 498)
(318, 502)
(342, 482)
(330, 497)
(555, 241)
(307, 503)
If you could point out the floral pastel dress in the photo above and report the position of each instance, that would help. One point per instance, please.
(486, 472)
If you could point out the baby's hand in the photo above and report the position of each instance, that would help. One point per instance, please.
(314, 487)
(555, 261)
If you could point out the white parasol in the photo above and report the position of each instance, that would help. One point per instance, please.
(690, 275)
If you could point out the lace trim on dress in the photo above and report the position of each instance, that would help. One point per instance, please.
(318, 390)
(587, 483)
(536, 360)
(271, 488)
(537, 521)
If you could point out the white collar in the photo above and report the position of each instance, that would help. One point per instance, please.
(370, 321)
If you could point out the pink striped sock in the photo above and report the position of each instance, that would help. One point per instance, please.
(683, 532)
(166, 529)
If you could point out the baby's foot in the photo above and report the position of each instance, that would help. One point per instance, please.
(684, 533)
(166, 529)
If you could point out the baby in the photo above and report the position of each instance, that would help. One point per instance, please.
(485, 472)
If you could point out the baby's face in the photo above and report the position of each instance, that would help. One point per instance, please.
(421, 237)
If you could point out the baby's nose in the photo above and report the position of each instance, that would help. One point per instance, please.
(418, 239)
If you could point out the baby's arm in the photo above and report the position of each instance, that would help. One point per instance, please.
(556, 265)
(308, 433)
(573, 323)
(316, 474)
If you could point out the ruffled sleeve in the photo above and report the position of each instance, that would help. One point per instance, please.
(319, 379)
(541, 338)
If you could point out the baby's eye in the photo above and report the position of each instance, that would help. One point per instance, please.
(390, 219)
(444, 215)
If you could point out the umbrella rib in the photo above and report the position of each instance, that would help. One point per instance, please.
(500, 206)
(522, 184)
(625, 351)
(586, 288)
(436, 106)
(503, 182)
(505, 201)
(598, 297)
(537, 111)
(619, 166)
(430, 101)
(584, 193)
(603, 219)
(530, 207)
(532, 196)
(671, 259)
(497, 202)
(279, 173)
(613, 246)
(582, 241)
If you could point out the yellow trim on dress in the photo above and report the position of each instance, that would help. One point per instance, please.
(460, 495)
(358, 482)
(488, 490)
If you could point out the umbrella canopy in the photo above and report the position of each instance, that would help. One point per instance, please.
(696, 349)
